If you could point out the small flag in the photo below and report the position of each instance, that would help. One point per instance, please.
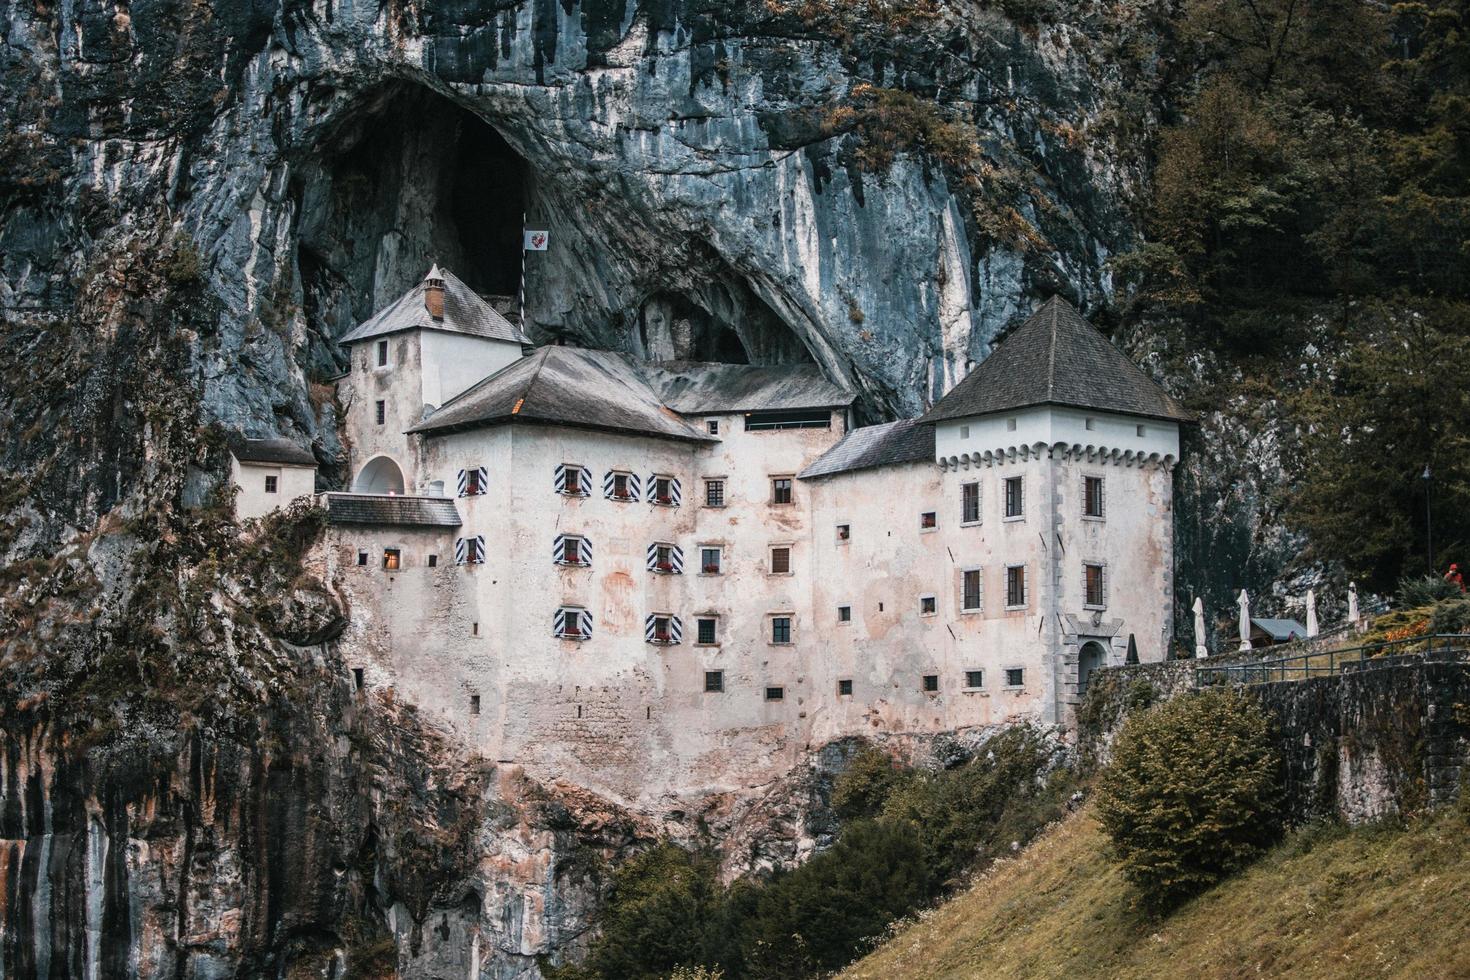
(536, 240)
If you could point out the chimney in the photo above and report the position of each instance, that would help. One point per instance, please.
(434, 293)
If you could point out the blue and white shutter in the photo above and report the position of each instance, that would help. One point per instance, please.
(469, 551)
(461, 547)
(568, 618)
(676, 492)
(558, 549)
(559, 482)
(676, 558)
(462, 483)
(607, 484)
(676, 630)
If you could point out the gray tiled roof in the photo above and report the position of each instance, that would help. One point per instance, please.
(1281, 629)
(464, 312)
(1057, 358)
(364, 508)
(694, 387)
(281, 451)
(566, 386)
(904, 441)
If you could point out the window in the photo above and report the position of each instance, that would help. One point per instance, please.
(380, 411)
(473, 482)
(1141, 430)
(474, 629)
(1015, 497)
(357, 678)
(795, 419)
(707, 631)
(714, 681)
(928, 520)
(392, 557)
(362, 557)
(571, 480)
(709, 561)
(1010, 425)
(665, 559)
(969, 503)
(974, 679)
(1015, 586)
(571, 549)
(663, 490)
(270, 484)
(1092, 496)
(775, 693)
(433, 561)
(469, 551)
(713, 425)
(781, 490)
(964, 432)
(781, 560)
(1089, 423)
(1093, 592)
(844, 687)
(781, 629)
(931, 683)
(844, 614)
(1015, 677)
(970, 589)
(382, 353)
(928, 605)
(844, 533)
(714, 493)
(572, 623)
(474, 704)
(620, 486)
(663, 629)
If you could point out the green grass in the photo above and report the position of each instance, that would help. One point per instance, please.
(1328, 903)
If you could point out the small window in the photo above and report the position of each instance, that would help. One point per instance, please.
(362, 558)
(572, 483)
(775, 694)
(781, 629)
(1093, 590)
(572, 623)
(1016, 586)
(1090, 423)
(970, 581)
(382, 353)
(781, 561)
(474, 629)
(622, 487)
(964, 432)
(928, 605)
(475, 479)
(1010, 425)
(433, 561)
(844, 614)
(1092, 496)
(710, 561)
(928, 520)
(1015, 496)
(357, 678)
(714, 681)
(663, 558)
(714, 493)
(713, 425)
(571, 550)
(969, 503)
(392, 558)
(781, 490)
(707, 630)
(380, 411)
(844, 688)
(931, 683)
(662, 490)
(844, 533)
(474, 704)
(270, 484)
(1015, 677)
(974, 679)
(1142, 431)
(662, 632)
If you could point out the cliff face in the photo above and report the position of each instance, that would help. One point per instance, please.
(196, 200)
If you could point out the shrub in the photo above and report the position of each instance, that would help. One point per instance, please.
(1425, 591)
(1194, 794)
(870, 779)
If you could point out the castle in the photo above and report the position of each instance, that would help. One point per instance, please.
(658, 578)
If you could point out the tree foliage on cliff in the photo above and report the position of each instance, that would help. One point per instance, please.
(1311, 224)
(1193, 794)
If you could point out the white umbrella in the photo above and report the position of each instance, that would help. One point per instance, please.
(1353, 603)
(1311, 612)
(1244, 602)
(1200, 650)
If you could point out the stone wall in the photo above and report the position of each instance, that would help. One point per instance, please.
(1357, 746)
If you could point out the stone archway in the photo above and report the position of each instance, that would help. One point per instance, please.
(1094, 654)
(380, 475)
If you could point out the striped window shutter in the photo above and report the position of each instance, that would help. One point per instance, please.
(477, 549)
(634, 490)
(463, 483)
(559, 552)
(675, 491)
(676, 630)
(558, 546)
(461, 548)
(676, 558)
(559, 481)
(607, 484)
(484, 479)
(1102, 498)
(569, 618)
(652, 557)
(585, 546)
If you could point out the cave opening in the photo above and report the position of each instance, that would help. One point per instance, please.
(407, 178)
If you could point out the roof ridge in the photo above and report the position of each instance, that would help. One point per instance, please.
(1051, 355)
(526, 391)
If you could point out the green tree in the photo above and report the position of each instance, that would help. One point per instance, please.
(1193, 794)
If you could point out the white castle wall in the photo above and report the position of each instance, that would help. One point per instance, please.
(251, 498)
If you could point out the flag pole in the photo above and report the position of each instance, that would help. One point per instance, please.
(521, 292)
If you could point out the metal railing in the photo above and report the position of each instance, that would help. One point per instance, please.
(1327, 663)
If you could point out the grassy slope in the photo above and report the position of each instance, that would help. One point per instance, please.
(1374, 902)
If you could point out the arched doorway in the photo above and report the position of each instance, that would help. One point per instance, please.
(1092, 656)
(380, 475)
